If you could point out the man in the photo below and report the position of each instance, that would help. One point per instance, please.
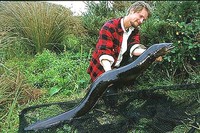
(118, 38)
(119, 41)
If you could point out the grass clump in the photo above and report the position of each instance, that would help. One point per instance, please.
(14, 91)
(42, 24)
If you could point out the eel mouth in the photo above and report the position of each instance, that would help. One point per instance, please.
(169, 47)
(166, 49)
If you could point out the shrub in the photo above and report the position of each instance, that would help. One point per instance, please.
(176, 22)
(95, 17)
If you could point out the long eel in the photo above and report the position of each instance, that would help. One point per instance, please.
(99, 86)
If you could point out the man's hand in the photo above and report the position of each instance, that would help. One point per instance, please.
(106, 65)
(159, 59)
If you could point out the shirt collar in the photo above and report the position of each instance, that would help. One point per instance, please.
(123, 28)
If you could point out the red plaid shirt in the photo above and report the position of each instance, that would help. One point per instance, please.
(109, 43)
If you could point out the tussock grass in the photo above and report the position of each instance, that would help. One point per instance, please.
(41, 23)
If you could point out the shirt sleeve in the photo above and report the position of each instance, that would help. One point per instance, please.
(105, 44)
(107, 57)
(136, 46)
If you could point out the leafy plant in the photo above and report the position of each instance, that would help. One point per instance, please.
(66, 72)
(71, 43)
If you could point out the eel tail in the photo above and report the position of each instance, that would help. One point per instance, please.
(67, 116)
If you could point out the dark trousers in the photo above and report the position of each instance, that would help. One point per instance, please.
(110, 96)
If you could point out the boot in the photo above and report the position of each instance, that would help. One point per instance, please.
(109, 99)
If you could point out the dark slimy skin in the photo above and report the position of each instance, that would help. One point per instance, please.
(99, 86)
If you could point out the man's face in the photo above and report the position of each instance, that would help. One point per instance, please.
(137, 18)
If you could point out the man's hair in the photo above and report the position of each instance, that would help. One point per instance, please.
(138, 6)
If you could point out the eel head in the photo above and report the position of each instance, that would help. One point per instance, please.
(161, 49)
